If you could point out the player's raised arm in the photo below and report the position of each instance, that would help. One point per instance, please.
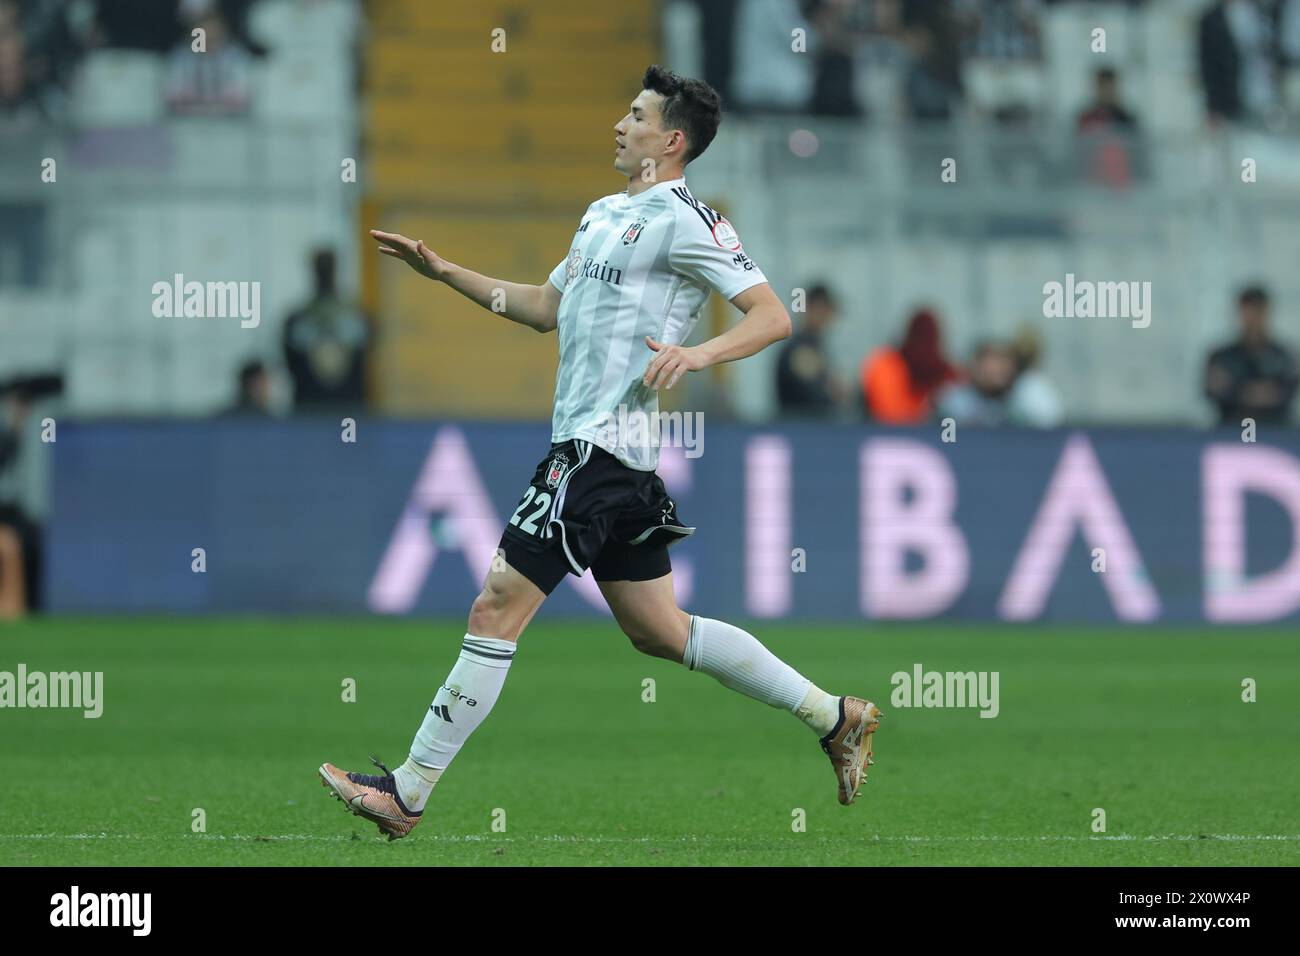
(532, 305)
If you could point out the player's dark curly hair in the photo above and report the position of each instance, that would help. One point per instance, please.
(691, 106)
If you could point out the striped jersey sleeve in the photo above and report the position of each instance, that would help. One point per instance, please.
(558, 274)
(707, 249)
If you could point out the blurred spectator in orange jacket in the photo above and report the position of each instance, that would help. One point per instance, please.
(899, 384)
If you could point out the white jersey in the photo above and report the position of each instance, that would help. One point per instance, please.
(639, 265)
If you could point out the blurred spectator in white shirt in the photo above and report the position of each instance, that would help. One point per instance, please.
(769, 75)
(1252, 28)
(1001, 29)
(983, 399)
(216, 80)
(1034, 400)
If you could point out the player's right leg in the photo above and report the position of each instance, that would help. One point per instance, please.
(395, 801)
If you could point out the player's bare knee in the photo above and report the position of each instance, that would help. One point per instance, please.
(491, 614)
(651, 640)
(641, 640)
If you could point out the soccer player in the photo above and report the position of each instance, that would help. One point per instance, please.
(641, 266)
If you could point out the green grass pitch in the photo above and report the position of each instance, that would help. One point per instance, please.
(233, 716)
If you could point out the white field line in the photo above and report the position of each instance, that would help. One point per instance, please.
(568, 838)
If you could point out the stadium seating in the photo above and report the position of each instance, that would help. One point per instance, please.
(490, 158)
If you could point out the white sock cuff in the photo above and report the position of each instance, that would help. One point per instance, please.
(488, 651)
(691, 657)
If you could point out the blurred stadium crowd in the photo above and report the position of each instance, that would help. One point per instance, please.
(919, 68)
(43, 41)
(1247, 55)
(920, 305)
(913, 381)
(949, 60)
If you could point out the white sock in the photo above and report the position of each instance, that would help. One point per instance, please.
(415, 783)
(458, 708)
(819, 710)
(737, 660)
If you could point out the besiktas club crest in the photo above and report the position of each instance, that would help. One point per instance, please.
(633, 232)
(559, 465)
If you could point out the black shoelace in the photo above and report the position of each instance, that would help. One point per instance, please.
(385, 783)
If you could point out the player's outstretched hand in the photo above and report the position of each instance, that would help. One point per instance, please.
(411, 251)
(670, 363)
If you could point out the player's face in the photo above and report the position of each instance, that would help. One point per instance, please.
(638, 136)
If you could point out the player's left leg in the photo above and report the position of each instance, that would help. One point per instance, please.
(395, 800)
(648, 614)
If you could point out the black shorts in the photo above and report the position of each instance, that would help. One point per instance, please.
(586, 509)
